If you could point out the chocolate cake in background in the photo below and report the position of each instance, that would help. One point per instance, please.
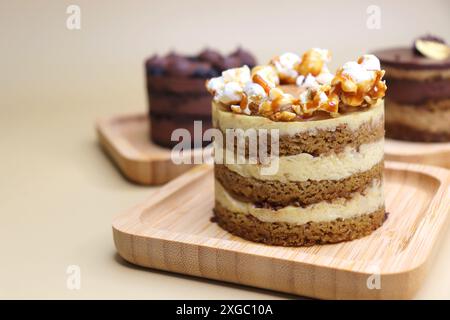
(418, 100)
(177, 93)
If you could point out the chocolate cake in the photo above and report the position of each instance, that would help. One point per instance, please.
(328, 186)
(177, 94)
(418, 101)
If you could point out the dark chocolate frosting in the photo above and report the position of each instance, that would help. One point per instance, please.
(406, 58)
(416, 92)
(207, 64)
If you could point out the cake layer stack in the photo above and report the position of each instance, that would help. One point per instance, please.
(176, 103)
(328, 187)
(418, 101)
(324, 182)
(177, 94)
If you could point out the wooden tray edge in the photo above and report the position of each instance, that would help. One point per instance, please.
(136, 169)
(409, 280)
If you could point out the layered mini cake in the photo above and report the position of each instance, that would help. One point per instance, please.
(328, 186)
(418, 102)
(177, 94)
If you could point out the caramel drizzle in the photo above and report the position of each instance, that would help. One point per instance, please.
(259, 80)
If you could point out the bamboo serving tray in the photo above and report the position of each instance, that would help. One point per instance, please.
(172, 231)
(126, 140)
(437, 154)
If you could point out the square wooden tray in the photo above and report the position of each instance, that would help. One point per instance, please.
(125, 138)
(172, 231)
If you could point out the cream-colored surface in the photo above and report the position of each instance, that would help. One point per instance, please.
(59, 193)
(229, 120)
(303, 166)
(419, 118)
(360, 203)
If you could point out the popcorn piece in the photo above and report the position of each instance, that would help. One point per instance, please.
(357, 72)
(255, 91)
(319, 98)
(297, 109)
(307, 82)
(369, 62)
(260, 81)
(254, 94)
(325, 77)
(232, 93)
(324, 54)
(322, 97)
(244, 105)
(275, 93)
(286, 66)
(378, 89)
(305, 97)
(240, 75)
(280, 99)
(357, 84)
(331, 105)
(228, 88)
(313, 61)
(215, 85)
(265, 76)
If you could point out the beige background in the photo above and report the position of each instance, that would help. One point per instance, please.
(58, 190)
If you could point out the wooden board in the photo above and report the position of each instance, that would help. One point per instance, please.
(437, 154)
(126, 140)
(172, 231)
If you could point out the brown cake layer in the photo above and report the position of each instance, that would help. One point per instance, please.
(418, 75)
(276, 194)
(429, 105)
(429, 122)
(177, 85)
(311, 233)
(416, 91)
(324, 142)
(181, 104)
(404, 132)
(162, 127)
(176, 89)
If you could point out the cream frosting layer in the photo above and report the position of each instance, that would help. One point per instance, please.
(228, 120)
(419, 118)
(303, 166)
(369, 201)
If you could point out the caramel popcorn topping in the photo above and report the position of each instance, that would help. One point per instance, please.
(355, 93)
(313, 62)
(259, 80)
(267, 90)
